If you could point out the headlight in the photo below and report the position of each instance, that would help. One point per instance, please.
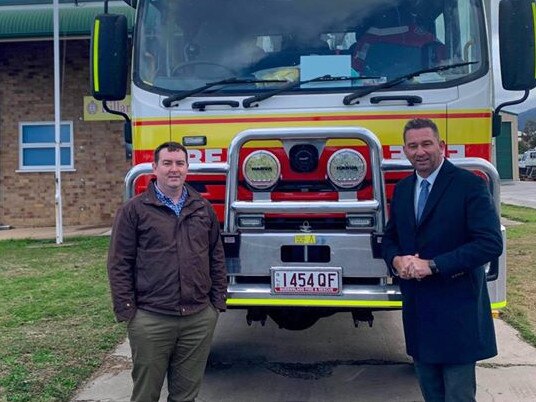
(261, 170)
(347, 168)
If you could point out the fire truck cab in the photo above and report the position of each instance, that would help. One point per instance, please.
(292, 112)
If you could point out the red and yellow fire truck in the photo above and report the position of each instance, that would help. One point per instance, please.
(292, 112)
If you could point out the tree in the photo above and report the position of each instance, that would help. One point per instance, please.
(528, 136)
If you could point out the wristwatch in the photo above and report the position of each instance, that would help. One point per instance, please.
(433, 267)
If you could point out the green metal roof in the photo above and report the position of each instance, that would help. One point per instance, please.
(36, 21)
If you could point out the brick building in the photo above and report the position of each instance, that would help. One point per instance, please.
(92, 152)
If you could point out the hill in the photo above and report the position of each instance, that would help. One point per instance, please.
(525, 116)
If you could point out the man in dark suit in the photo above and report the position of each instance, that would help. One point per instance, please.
(443, 229)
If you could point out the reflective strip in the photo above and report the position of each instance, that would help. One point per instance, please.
(498, 305)
(313, 303)
(96, 32)
(534, 32)
(328, 303)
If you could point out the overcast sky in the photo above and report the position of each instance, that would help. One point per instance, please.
(500, 94)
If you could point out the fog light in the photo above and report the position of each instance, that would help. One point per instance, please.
(250, 222)
(360, 222)
(347, 168)
(261, 170)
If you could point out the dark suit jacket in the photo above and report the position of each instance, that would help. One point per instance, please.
(447, 316)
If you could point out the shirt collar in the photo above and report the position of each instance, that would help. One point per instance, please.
(431, 178)
(168, 202)
(160, 193)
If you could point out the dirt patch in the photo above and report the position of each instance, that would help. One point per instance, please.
(113, 364)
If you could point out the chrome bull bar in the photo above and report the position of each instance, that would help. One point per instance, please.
(387, 293)
(146, 168)
(496, 269)
(378, 164)
(233, 207)
(482, 165)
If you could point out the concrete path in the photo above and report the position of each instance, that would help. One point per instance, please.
(50, 232)
(521, 193)
(330, 362)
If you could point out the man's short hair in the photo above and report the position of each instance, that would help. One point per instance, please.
(415, 124)
(171, 146)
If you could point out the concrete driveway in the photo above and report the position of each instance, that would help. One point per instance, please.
(331, 361)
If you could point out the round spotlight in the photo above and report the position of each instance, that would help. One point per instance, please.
(347, 168)
(261, 170)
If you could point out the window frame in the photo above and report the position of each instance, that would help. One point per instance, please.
(42, 145)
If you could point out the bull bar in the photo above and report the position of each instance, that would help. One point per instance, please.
(385, 296)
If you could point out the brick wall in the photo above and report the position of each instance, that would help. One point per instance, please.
(90, 194)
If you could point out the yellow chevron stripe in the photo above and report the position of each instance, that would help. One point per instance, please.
(460, 130)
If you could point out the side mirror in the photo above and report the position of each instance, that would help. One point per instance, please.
(109, 57)
(132, 3)
(517, 44)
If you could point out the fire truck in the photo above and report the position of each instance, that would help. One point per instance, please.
(292, 113)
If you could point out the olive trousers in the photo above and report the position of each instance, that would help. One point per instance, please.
(176, 346)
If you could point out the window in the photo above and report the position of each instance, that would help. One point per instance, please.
(183, 44)
(37, 149)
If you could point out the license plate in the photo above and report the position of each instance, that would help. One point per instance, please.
(306, 281)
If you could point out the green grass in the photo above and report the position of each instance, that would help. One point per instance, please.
(56, 318)
(521, 271)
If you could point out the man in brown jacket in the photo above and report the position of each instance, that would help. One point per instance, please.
(168, 279)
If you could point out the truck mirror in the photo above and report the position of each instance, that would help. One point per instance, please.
(109, 57)
(517, 44)
(132, 3)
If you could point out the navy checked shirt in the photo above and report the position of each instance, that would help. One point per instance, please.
(168, 202)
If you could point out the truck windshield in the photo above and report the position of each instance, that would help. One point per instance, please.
(183, 44)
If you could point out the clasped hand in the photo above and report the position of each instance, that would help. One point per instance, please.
(411, 267)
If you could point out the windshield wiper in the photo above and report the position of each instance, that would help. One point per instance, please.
(173, 99)
(294, 84)
(347, 100)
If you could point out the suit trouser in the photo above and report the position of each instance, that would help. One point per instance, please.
(447, 382)
(174, 345)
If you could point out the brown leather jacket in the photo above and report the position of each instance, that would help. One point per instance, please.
(163, 263)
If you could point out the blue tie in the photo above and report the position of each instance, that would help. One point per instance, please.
(423, 196)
